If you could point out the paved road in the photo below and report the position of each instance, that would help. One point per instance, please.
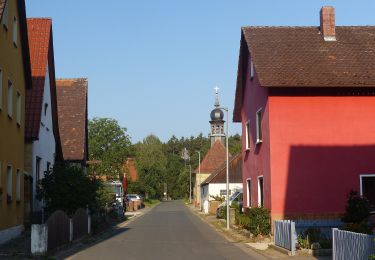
(169, 231)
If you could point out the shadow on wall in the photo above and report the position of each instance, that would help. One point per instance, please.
(319, 179)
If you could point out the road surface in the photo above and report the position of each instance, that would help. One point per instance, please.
(169, 231)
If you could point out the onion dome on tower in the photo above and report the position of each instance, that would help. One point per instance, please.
(217, 121)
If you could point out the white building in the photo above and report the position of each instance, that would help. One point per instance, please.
(41, 128)
(215, 184)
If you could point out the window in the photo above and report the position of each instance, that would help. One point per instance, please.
(368, 189)
(37, 172)
(259, 126)
(10, 99)
(251, 70)
(260, 192)
(1, 89)
(248, 193)
(4, 20)
(247, 135)
(18, 185)
(18, 107)
(15, 30)
(224, 192)
(45, 108)
(1, 179)
(9, 184)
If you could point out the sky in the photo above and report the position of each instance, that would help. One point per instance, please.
(152, 65)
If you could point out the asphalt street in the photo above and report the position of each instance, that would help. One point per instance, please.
(168, 231)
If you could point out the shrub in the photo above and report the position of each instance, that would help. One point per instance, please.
(357, 214)
(218, 198)
(243, 221)
(260, 223)
(312, 234)
(302, 242)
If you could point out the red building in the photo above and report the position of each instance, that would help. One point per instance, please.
(306, 100)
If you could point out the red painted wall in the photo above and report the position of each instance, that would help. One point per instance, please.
(319, 147)
(256, 161)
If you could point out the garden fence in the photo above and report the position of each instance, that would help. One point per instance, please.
(350, 245)
(285, 235)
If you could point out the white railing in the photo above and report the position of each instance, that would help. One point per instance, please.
(350, 245)
(285, 235)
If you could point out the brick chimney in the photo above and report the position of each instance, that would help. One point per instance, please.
(327, 23)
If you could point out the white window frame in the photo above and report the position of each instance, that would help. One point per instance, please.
(4, 19)
(247, 135)
(1, 177)
(18, 108)
(258, 119)
(248, 192)
(18, 185)
(10, 181)
(360, 183)
(10, 99)
(15, 31)
(259, 191)
(1, 89)
(251, 69)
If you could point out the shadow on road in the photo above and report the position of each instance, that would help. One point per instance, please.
(90, 242)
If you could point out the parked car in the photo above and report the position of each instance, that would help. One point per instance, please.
(133, 197)
(234, 199)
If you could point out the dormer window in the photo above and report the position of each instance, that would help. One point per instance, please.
(45, 109)
(4, 19)
(15, 31)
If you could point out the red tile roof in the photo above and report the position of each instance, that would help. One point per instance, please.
(213, 159)
(235, 171)
(72, 112)
(39, 32)
(2, 5)
(300, 57)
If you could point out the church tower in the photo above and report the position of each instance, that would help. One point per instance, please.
(217, 122)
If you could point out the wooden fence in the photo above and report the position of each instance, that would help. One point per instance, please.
(285, 235)
(58, 226)
(80, 223)
(350, 245)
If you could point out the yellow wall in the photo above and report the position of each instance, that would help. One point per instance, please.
(11, 135)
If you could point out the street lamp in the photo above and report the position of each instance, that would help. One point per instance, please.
(227, 159)
(196, 182)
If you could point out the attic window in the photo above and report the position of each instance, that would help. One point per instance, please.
(259, 126)
(4, 19)
(251, 69)
(15, 31)
(45, 108)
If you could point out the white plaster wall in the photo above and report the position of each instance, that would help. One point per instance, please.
(214, 188)
(45, 146)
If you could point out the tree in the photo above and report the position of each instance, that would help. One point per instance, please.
(69, 188)
(151, 165)
(109, 143)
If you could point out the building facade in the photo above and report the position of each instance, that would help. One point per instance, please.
(42, 135)
(15, 78)
(307, 113)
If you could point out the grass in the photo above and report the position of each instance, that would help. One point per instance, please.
(149, 203)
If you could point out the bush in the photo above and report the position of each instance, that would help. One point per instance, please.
(357, 214)
(69, 188)
(260, 222)
(302, 242)
(243, 221)
(218, 198)
(313, 234)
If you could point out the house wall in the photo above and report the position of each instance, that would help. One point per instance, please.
(256, 160)
(45, 147)
(11, 134)
(199, 178)
(319, 147)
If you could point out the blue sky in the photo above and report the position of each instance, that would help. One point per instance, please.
(152, 65)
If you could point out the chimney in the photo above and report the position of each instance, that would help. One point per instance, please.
(327, 23)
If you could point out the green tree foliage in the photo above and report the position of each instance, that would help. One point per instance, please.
(151, 164)
(109, 143)
(68, 188)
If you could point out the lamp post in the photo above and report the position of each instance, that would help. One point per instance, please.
(227, 159)
(196, 181)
